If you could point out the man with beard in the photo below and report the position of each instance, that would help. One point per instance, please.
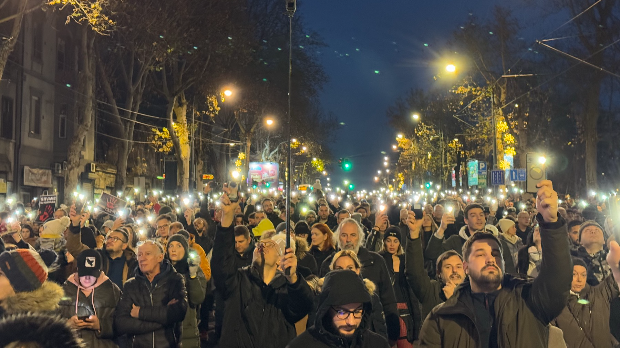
(271, 214)
(573, 235)
(450, 272)
(342, 316)
(351, 237)
(326, 218)
(310, 218)
(263, 303)
(493, 309)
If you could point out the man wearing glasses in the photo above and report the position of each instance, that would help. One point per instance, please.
(163, 223)
(118, 261)
(342, 315)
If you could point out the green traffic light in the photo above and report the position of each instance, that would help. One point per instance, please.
(351, 187)
(428, 185)
(346, 165)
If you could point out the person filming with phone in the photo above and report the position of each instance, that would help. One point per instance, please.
(263, 303)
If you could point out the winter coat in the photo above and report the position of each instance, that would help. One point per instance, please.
(375, 269)
(413, 319)
(39, 330)
(376, 322)
(585, 319)
(598, 268)
(428, 291)
(437, 246)
(204, 262)
(304, 258)
(196, 289)
(257, 314)
(522, 308)
(43, 300)
(75, 247)
(320, 256)
(159, 323)
(101, 301)
(513, 248)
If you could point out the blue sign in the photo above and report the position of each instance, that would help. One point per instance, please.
(522, 174)
(498, 178)
(513, 175)
(482, 168)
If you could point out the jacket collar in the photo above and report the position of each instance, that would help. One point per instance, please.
(324, 335)
(278, 281)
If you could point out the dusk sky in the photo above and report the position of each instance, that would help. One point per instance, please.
(391, 38)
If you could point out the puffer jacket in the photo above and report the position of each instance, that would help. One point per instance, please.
(196, 289)
(598, 268)
(159, 322)
(585, 319)
(43, 300)
(523, 308)
(100, 301)
(257, 314)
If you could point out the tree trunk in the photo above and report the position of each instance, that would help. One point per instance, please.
(591, 132)
(177, 112)
(8, 44)
(121, 165)
(85, 111)
(248, 147)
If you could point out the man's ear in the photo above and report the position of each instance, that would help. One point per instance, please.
(465, 268)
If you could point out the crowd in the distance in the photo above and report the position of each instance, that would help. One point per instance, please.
(361, 270)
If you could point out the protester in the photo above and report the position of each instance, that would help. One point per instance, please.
(374, 241)
(201, 257)
(592, 241)
(310, 218)
(509, 237)
(522, 226)
(342, 316)
(163, 223)
(322, 243)
(493, 309)
(200, 235)
(24, 284)
(186, 263)
(263, 227)
(154, 302)
(407, 303)
(530, 255)
(262, 303)
(90, 301)
(270, 213)
(325, 216)
(306, 264)
(30, 236)
(244, 247)
(573, 234)
(302, 230)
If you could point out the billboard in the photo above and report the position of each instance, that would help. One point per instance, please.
(472, 172)
(266, 172)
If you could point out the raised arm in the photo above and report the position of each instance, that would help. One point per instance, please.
(74, 237)
(224, 271)
(550, 289)
(417, 277)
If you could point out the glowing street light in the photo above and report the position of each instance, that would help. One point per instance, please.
(269, 121)
(399, 136)
(450, 68)
(228, 93)
(394, 147)
(415, 117)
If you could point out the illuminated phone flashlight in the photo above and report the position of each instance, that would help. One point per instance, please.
(258, 207)
(96, 209)
(186, 201)
(139, 221)
(450, 209)
(178, 210)
(30, 215)
(382, 207)
(347, 205)
(149, 218)
(121, 213)
(304, 210)
(142, 232)
(193, 255)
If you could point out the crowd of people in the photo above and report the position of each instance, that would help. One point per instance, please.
(361, 270)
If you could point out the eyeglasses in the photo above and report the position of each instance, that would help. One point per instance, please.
(261, 246)
(115, 239)
(163, 226)
(343, 314)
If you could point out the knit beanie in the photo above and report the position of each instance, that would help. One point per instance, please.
(302, 228)
(578, 261)
(55, 228)
(264, 226)
(342, 287)
(589, 223)
(89, 263)
(181, 239)
(393, 231)
(25, 268)
(505, 224)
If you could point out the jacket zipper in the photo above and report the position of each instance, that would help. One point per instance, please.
(151, 296)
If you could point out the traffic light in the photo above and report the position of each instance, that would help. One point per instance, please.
(351, 187)
(428, 185)
(254, 184)
(346, 164)
(267, 184)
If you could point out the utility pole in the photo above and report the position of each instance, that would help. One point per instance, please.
(291, 7)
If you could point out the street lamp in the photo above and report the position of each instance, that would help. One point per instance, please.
(415, 117)
(228, 92)
(450, 68)
(399, 136)
(269, 121)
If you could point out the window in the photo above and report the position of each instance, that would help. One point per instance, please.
(35, 115)
(6, 121)
(61, 62)
(38, 20)
(62, 126)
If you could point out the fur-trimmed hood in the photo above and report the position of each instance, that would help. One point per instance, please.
(301, 248)
(46, 331)
(44, 299)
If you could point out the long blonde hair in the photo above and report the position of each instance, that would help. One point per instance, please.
(343, 253)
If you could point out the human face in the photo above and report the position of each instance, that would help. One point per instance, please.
(238, 210)
(392, 244)
(266, 251)
(163, 228)
(88, 281)
(323, 212)
(512, 231)
(199, 224)
(115, 242)
(6, 290)
(523, 219)
(238, 221)
(251, 221)
(352, 314)
(241, 244)
(25, 233)
(318, 238)
(475, 219)
(58, 214)
(580, 274)
(428, 209)
(258, 217)
(176, 252)
(310, 219)
(485, 266)
(452, 270)
(342, 217)
(174, 230)
(592, 237)
(268, 206)
(438, 212)
(140, 214)
(362, 211)
(345, 262)
(574, 234)
(349, 237)
(149, 258)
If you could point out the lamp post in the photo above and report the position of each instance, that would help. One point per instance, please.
(291, 7)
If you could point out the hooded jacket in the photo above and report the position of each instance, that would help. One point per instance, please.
(40, 329)
(257, 314)
(304, 258)
(44, 300)
(437, 246)
(585, 319)
(522, 308)
(159, 323)
(340, 287)
(101, 301)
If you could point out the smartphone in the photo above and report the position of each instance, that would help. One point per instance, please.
(419, 214)
(83, 317)
(233, 192)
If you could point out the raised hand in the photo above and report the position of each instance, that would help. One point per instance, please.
(613, 259)
(547, 201)
(289, 260)
(414, 225)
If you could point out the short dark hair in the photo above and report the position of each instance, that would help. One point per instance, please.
(470, 207)
(241, 230)
(343, 211)
(163, 217)
(252, 215)
(361, 207)
(443, 257)
(240, 216)
(476, 237)
(574, 223)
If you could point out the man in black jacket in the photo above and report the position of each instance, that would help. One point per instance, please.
(262, 303)
(342, 315)
(154, 303)
(325, 217)
(244, 247)
(351, 237)
(493, 309)
(271, 214)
